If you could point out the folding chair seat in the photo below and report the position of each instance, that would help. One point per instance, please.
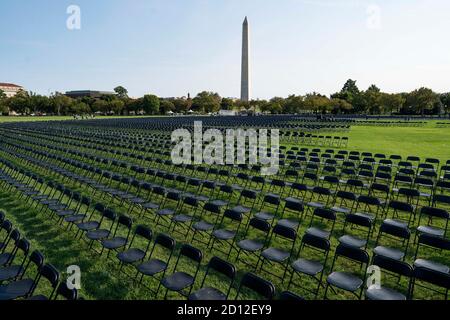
(88, 222)
(185, 220)
(180, 281)
(247, 197)
(23, 287)
(167, 213)
(120, 237)
(344, 202)
(293, 206)
(395, 267)
(260, 286)
(276, 254)
(438, 247)
(421, 183)
(346, 280)
(226, 235)
(325, 216)
(134, 254)
(312, 268)
(204, 226)
(431, 277)
(272, 201)
(102, 232)
(78, 216)
(398, 208)
(357, 223)
(431, 213)
(368, 206)
(394, 232)
(220, 267)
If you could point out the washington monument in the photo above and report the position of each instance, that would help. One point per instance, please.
(245, 81)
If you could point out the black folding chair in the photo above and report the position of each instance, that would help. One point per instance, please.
(312, 268)
(221, 267)
(180, 281)
(276, 255)
(397, 268)
(346, 280)
(154, 267)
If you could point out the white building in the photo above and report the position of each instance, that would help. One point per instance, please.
(10, 89)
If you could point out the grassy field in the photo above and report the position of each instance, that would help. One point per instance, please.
(101, 278)
(425, 142)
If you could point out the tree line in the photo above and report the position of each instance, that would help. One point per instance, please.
(350, 100)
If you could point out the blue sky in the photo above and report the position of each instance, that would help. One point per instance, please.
(171, 47)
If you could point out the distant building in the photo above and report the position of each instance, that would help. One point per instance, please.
(10, 89)
(88, 93)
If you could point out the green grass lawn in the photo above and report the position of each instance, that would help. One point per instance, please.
(425, 142)
(101, 278)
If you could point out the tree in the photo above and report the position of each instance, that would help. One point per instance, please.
(317, 102)
(206, 102)
(182, 105)
(340, 106)
(116, 106)
(292, 104)
(150, 104)
(3, 103)
(20, 103)
(165, 106)
(79, 107)
(348, 92)
(392, 102)
(122, 93)
(373, 100)
(445, 99)
(99, 105)
(227, 104)
(422, 101)
(60, 103)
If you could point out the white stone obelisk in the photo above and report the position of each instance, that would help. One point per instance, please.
(245, 73)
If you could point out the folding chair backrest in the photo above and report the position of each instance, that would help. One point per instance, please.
(396, 266)
(64, 291)
(191, 253)
(316, 242)
(259, 285)
(222, 267)
(352, 253)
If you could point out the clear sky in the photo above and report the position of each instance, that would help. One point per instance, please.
(172, 47)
